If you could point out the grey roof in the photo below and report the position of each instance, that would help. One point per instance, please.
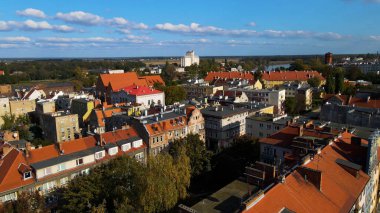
(129, 140)
(21, 142)
(222, 111)
(110, 145)
(64, 158)
(348, 164)
(162, 117)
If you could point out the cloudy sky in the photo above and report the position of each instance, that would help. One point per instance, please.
(132, 28)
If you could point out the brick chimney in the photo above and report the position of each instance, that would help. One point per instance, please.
(6, 149)
(28, 147)
(300, 130)
(312, 176)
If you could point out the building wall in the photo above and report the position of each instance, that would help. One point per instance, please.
(83, 108)
(4, 109)
(60, 128)
(262, 128)
(223, 130)
(196, 124)
(22, 107)
(45, 107)
(5, 89)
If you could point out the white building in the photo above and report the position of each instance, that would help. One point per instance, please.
(189, 59)
(138, 94)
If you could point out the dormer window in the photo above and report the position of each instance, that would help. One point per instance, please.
(112, 151)
(27, 175)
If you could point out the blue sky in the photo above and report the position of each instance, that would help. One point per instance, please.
(131, 28)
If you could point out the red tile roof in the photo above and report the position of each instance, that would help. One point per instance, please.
(285, 136)
(121, 80)
(354, 101)
(291, 75)
(15, 162)
(339, 189)
(140, 90)
(229, 75)
(166, 125)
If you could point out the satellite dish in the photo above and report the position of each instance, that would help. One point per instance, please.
(15, 135)
(95, 130)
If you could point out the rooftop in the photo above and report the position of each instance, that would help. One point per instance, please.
(223, 111)
(227, 199)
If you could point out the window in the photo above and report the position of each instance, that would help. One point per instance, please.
(63, 181)
(47, 171)
(27, 175)
(112, 151)
(61, 167)
(161, 138)
(139, 156)
(99, 155)
(79, 161)
(261, 125)
(137, 143)
(260, 134)
(126, 147)
(269, 127)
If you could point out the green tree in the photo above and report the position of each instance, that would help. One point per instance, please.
(230, 163)
(339, 81)
(299, 65)
(168, 73)
(314, 82)
(291, 106)
(353, 73)
(27, 202)
(9, 121)
(196, 150)
(330, 84)
(174, 94)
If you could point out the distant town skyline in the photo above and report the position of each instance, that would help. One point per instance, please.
(170, 28)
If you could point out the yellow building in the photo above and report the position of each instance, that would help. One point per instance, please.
(82, 107)
(59, 126)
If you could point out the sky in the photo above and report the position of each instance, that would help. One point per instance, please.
(138, 28)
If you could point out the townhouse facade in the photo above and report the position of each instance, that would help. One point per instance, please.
(160, 130)
(22, 107)
(222, 124)
(263, 125)
(59, 126)
(200, 90)
(43, 169)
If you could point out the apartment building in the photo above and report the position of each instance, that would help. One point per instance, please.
(222, 124)
(22, 107)
(302, 93)
(42, 169)
(59, 126)
(159, 130)
(278, 78)
(200, 90)
(263, 125)
(83, 108)
(272, 97)
(137, 94)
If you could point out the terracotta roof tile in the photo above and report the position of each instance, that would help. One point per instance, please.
(339, 189)
(140, 90)
(121, 80)
(291, 75)
(229, 75)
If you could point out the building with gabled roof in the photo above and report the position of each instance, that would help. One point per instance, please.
(52, 166)
(333, 179)
(137, 94)
(115, 82)
(277, 78)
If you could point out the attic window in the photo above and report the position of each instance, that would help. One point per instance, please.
(27, 175)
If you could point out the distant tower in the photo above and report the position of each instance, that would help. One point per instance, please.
(328, 58)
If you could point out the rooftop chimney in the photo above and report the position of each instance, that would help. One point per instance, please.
(312, 176)
(300, 130)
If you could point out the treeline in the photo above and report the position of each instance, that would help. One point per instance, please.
(57, 69)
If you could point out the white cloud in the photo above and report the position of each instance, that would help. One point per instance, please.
(30, 12)
(89, 39)
(375, 37)
(33, 25)
(15, 39)
(8, 45)
(119, 21)
(197, 29)
(252, 24)
(4, 26)
(80, 17)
